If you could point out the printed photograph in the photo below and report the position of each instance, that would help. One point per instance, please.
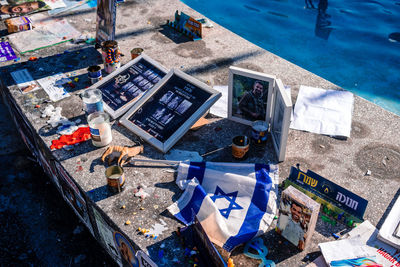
(127, 86)
(185, 105)
(20, 8)
(147, 86)
(143, 82)
(126, 250)
(166, 97)
(167, 118)
(174, 103)
(132, 90)
(249, 98)
(156, 79)
(159, 113)
(293, 221)
(148, 73)
(138, 79)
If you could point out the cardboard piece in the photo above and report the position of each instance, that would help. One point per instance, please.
(298, 216)
(200, 123)
(18, 24)
(187, 25)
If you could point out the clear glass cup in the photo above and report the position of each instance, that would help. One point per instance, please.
(93, 100)
(100, 129)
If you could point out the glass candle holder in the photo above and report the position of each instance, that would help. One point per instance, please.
(100, 129)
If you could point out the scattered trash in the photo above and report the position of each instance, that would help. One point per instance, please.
(157, 229)
(141, 193)
(368, 173)
(335, 236)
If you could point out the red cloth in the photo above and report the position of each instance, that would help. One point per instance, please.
(79, 136)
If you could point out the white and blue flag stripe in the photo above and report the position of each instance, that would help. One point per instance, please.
(234, 202)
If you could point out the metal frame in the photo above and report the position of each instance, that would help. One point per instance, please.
(117, 113)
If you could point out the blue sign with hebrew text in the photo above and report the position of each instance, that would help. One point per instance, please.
(337, 195)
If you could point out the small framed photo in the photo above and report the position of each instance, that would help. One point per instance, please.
(250, 95)
(169, 109)
(125, 86)
(257, 96)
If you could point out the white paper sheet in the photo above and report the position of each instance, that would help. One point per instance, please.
(345, 249)
(24, 81)
(220, 108)
(53, 87)
(47, 32)
(323, 111)
(366, 234)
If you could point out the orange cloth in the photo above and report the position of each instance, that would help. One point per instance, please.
(79, 136)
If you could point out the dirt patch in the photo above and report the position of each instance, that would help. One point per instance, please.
(321, 145)
(382, 160)
(195, 49)
(359, 130)
(160, 38)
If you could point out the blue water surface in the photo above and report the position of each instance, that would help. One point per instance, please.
(354, 44)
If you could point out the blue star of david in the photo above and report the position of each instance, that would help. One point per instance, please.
(231, 197)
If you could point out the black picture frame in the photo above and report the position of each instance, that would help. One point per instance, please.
(166, 113)
(125, 86)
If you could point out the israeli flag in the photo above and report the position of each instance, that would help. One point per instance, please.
(234, 202)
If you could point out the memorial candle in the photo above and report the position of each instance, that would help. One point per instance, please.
(100, 129)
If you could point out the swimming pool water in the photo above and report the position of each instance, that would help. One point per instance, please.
(345, 42)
